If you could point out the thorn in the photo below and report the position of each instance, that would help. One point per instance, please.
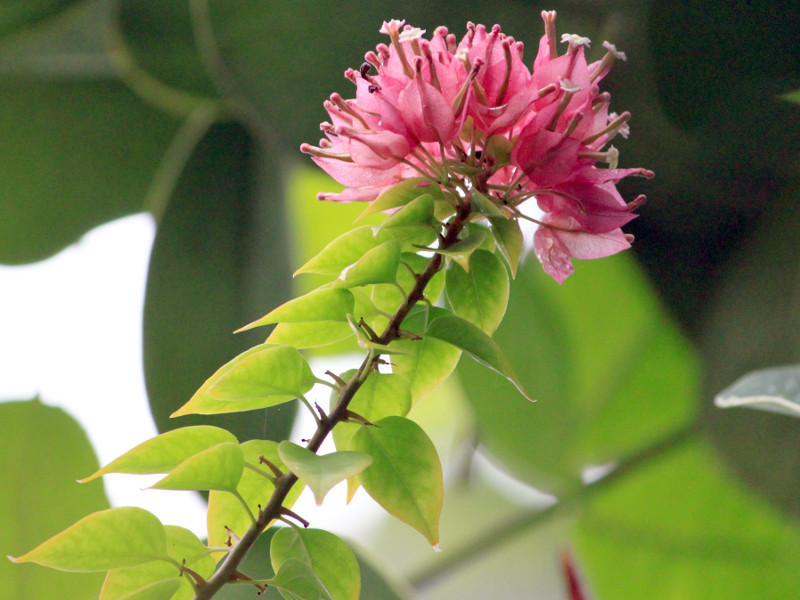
(351, 416)
(237, 576)
(407, 335)
(294, 515)
(323, 417)
(341, 382)
(232, 537)
(373, 337)
(272, 466)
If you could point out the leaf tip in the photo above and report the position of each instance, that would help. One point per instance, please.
(14, 559)
(436, 547)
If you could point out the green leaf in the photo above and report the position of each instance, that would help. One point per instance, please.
(509, 239)
(381, 395)
(481, 295)
(425, 362)
(310, 335)
(378, 265)
(263, 376)
(216, 263)
(774, 390)
(402, 194)
(117, 537)
(297, 581)
(589, 351)
(341, 252)
(417, 212)
(61, 139)
(154, 579)
(166, 451)
(225, 510)
(685, 528)
(325, 304)
(217, 468)
(469, 338)
(44, 450)
(329, 558)
(321, 473)
(462, 249)
(405, 477)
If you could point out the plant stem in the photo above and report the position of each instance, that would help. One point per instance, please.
(274, 509)
(526, 520)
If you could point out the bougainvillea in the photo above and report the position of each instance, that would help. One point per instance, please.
(469, 114)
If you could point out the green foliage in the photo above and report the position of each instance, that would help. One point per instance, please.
(109, 539)
(593, 407)
(217, 468)
(255, 487)
(329, 558)
(160, 580)
(163, 453)
(37, 473)
(405, 476)
(322, 472)
(479, 295)
(265, 375)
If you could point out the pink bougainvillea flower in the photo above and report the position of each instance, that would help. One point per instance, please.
(469, 116)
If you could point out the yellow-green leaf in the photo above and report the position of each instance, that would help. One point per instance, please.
(163, 453)
(480, 295)
(330, 559)
(405, 477)
(377, 265)
(109, 539)
(321, 473)
(262, 376)
(341, 252)
(225, 510)
(324, 304)
(218, 468)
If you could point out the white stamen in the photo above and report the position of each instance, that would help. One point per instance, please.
(568, 86)
(411, 33)
(613, 50)
(612, 159)
(575, 40)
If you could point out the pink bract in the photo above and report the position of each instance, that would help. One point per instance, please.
(469, 116)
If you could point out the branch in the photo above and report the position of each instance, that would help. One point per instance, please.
(228, 569)
(526, 520)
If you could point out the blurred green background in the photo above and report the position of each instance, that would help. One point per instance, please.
(193, 110)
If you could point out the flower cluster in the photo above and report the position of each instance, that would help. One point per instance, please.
(469, 115)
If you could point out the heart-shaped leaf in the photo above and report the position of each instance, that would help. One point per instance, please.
(321, 473)
(479, 295)
(405, 477)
